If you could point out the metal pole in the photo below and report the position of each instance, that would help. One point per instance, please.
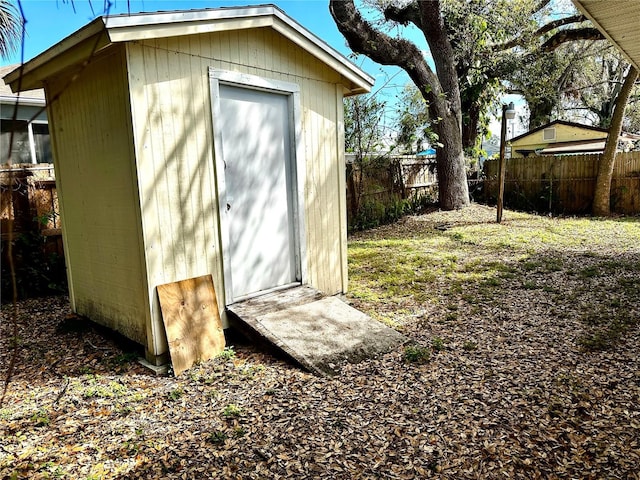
(501, 164)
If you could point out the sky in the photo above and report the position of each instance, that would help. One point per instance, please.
(50, 21)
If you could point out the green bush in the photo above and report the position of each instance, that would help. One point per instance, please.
(417, 354)
(373, 213)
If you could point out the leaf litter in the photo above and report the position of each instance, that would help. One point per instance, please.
(517, 383)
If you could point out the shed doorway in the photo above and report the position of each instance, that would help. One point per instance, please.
(255, 156)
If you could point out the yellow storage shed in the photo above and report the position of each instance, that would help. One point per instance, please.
(192, 143)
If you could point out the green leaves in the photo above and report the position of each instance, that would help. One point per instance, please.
(364, 130)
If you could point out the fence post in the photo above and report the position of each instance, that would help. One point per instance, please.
(501, 166)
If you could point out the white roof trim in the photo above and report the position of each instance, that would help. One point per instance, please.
(187, 16)
(89, 30)
(140, 26)
(27, 101)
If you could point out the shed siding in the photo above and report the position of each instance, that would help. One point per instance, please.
(171, 113)
(98, 195)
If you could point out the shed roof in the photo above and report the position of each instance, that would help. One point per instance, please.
(618, 20)
(106, 30)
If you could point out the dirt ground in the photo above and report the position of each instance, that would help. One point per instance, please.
(499, 382)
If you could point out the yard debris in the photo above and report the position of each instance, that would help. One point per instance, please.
(508, 390)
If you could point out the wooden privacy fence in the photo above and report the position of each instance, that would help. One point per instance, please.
(418, 172)
(29, 220)
(564, 184)
(377, 183)
(378, 176)
(30, 204)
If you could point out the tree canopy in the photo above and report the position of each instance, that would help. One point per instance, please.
(414, 124)
(594, 87)
(469, 46)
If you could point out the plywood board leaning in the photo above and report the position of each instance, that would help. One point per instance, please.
(192, 321)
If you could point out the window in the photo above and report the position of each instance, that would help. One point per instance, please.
(42, 142)
(23, 150)
(549, 134)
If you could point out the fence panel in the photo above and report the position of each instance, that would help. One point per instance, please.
(30, 203)
(564, 184)
(379, 186)
(418, 172)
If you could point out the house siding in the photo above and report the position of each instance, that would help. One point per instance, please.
(98, 195)
(564, 133)
(172, 125)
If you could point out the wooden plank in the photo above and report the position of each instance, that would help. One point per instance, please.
(192, 321)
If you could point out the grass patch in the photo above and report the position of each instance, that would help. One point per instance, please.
(98, 389)
(41, 418)
(469, 346)
(227, 354)
(417, 354)
(477, 265)
(176, 394)
(232, 411)
(606, 327)
(589, 272)
(217, 437)
(438, 344)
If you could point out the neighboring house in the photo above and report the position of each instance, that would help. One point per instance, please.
(196, 143)
(28, 123)
(564, 138)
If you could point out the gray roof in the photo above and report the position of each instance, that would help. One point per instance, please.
(30, 97)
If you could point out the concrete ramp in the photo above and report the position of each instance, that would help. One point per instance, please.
(318, 333)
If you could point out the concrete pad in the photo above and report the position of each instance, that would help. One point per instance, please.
(157, 369)
(323, 334)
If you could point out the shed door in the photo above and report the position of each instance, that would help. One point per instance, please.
(257, 152)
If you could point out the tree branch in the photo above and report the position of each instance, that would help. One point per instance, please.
(404, 15)
(564, 36)
(518, 41)
(559, 23)
(541, 5)
(381, 48)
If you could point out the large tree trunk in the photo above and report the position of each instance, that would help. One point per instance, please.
(452, 175)
(541, 111)
(602, 195)
(470, 124)
(441, 90)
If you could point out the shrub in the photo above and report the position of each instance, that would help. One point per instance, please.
(38, 273)
(417, 354)
(373, 213)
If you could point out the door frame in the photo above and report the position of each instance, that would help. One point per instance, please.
(292, 92)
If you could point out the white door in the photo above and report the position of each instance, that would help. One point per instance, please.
(256, 137)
